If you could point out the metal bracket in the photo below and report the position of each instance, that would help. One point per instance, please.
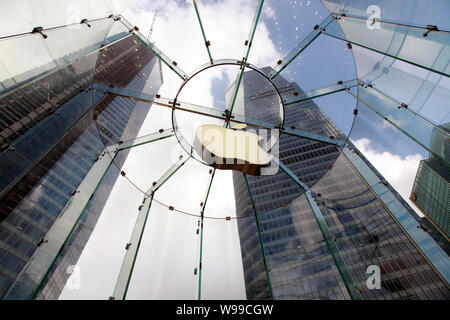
(40, 31)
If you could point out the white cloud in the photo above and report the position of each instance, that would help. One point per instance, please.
(399, 171)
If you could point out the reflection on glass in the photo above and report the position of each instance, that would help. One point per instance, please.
(418, 46)
(417, 128)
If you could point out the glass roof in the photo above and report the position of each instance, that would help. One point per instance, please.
(383, 84)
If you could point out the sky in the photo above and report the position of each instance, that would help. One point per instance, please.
(169, 250)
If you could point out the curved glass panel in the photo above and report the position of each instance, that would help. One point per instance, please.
(396, 157)
(398, 41)
(216, 16)
(415, 12)
(424, 92)
(50, 50)
(95, 274)
(296, 252)
(98, 120)
(220, 276)
(180, 21)
(353, 226)
(192, 203)
(169, 260)
(53, 13)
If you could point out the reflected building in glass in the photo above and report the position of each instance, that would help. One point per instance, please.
(296, 262)
(53, 129)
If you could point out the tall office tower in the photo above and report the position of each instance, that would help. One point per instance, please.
(297, 262)
(54, 127)
(431, 189)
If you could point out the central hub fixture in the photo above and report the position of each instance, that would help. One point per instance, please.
(240, 132)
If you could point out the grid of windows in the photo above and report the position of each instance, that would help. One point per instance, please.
(431, 192)
(31, 206)
(298, 260)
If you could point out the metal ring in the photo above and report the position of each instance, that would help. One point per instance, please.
(216, 63)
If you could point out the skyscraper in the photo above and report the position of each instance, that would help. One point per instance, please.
(54, 127)
(431, 189)
(296, 262)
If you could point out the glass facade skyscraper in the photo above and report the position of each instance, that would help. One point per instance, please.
(431, 193)
(53, 129)
(431, 189)
(298, 263)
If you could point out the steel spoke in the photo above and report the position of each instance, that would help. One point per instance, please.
(395, 40)
(330, 240)
(269, 284)
(316, 93)
(210, 181)
(126, 271)
(301, 46)
(207, 43)
(216, 113)
(248, 43)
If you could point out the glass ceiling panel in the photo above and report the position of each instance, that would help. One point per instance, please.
(220, 238)
(418, 46)
(423, 91)
(316, 93)
(420, 130)
(340, 108)
(198, 176)
(216, 16)
(31, 147)
(50, 51)
(319, 96)
(348, 214)
(396, 158)
(105, 250)
(292, 27)
(315, 60)
(66, 230)
(415, 12)
(165, 268)
(126, 272)
(299, 252)
(141, 158)
(336, 72)
(182, 30)
(220, 277)
(378, 141)
(53, 13)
